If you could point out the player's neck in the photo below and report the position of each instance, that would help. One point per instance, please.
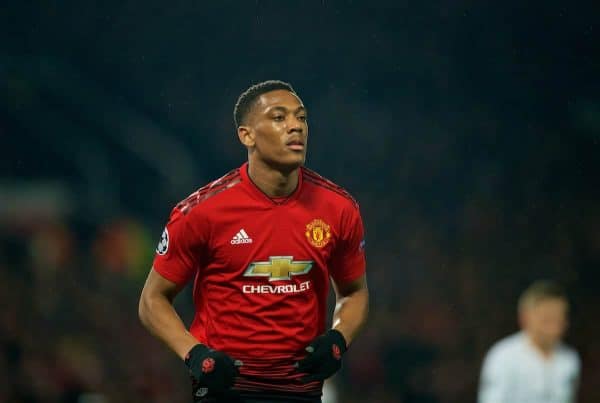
(544, 349)
(271, 181)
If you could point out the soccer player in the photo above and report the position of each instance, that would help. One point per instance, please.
(533, 366)
(262, 243)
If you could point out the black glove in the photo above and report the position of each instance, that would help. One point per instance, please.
(212, 372)
(324, 356)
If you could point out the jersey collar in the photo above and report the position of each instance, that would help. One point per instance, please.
(255, 190)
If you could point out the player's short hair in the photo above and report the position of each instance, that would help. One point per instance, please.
(539, 291)
(246, 100)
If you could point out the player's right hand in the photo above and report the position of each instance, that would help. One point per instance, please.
(212, 372)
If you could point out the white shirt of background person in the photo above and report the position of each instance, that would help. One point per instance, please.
(533, 365)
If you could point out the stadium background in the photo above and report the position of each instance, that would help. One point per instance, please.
(468, 131)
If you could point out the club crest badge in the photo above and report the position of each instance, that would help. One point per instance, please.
(318, 233)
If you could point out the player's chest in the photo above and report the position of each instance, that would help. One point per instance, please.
(539, 381)
(260, 235)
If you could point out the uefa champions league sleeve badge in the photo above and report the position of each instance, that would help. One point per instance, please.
(163, 244)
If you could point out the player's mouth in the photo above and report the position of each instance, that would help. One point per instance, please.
(295, 145)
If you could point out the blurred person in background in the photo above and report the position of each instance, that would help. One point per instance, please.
(533, 365)
(262, 242)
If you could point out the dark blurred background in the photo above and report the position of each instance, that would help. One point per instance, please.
(468, 131)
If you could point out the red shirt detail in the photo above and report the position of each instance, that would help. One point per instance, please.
(262, 269)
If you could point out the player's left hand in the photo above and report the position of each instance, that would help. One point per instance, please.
(324, 356)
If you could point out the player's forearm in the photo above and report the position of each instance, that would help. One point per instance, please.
(351, 313)
(160, 318)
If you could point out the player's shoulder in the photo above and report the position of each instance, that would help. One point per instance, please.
(329, 187)
(506, 347)
(211, 192)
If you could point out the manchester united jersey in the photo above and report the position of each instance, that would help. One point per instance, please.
(261, 269)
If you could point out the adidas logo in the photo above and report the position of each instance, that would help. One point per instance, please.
(241, 237)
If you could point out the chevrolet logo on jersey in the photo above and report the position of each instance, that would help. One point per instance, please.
(278, 268)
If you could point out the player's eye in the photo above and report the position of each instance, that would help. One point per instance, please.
(278, 118)
(302, 118)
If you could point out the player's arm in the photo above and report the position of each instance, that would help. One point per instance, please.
(351, 308)
(325, 352)
(347, 271)
(158, 315)
(212, 370)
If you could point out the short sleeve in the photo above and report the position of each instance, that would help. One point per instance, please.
(348, 261)
(180, 247)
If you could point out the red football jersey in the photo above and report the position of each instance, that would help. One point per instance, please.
(262, 269)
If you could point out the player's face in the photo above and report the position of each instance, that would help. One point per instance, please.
(279, 129)
(546, 321)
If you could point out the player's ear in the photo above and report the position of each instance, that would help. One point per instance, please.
(246, 136)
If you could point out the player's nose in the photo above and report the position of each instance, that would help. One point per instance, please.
(295, 125)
